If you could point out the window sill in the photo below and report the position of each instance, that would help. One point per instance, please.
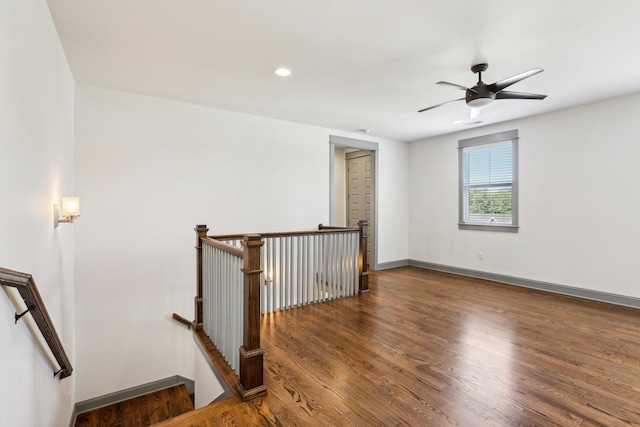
(487, 227)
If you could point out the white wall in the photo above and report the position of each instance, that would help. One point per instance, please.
(578, 204)
(207, 386)
(36, 163)
(149, 170)
(393, 202)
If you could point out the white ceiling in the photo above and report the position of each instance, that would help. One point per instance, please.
(356, 63)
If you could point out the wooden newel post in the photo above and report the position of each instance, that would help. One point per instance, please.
(251, 383)
(201, 232)
(363, 262)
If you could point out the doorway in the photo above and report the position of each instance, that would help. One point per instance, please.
(354, 187)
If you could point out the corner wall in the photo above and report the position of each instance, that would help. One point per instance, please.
(36, 163)
(578, 207)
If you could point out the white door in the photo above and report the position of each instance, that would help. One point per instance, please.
(360, 192)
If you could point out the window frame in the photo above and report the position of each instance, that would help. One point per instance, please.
(511, 135)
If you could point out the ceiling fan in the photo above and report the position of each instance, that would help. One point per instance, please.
(483, 94)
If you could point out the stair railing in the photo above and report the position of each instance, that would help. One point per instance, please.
(241, 276)
(228, 305)
(34, 304)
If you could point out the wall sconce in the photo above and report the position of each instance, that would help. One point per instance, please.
(70, 210)
(268, 277)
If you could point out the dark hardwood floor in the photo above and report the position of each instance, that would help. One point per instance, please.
(140, 411)
(432, 349)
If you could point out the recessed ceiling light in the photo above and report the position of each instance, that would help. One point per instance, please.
(457, 122)
(364, 130)
(283, 72)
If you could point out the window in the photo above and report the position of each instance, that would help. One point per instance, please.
(489, 182)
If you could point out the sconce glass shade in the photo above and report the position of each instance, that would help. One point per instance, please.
(70, 207)
(70, 210)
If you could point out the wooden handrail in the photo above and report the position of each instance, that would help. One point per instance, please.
(333, 227)
(182, 320)
(26, 286)
(223, 246)
(324, 230)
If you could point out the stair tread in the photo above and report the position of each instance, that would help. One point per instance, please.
(231, 412)
(140, 411)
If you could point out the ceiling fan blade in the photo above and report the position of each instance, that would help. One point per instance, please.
(439, 105)
(475, 113)
(518, 95)
(503, 84)
(455, 86)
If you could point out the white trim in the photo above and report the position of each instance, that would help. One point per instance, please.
(510, 136)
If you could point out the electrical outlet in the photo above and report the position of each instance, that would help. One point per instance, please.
(480, 256)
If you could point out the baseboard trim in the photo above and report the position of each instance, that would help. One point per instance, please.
(392, 264)
(130, 393)
(617, 299)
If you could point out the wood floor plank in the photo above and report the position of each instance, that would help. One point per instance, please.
(424, 348)
(87, 419)
(131, 413)
(108, 416)
(158, 406)
(143, 412)
(428, 348)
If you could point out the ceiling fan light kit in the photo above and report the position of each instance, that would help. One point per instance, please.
(483, 94)
(479, 102)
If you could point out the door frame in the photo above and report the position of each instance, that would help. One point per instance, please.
(341, 141)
